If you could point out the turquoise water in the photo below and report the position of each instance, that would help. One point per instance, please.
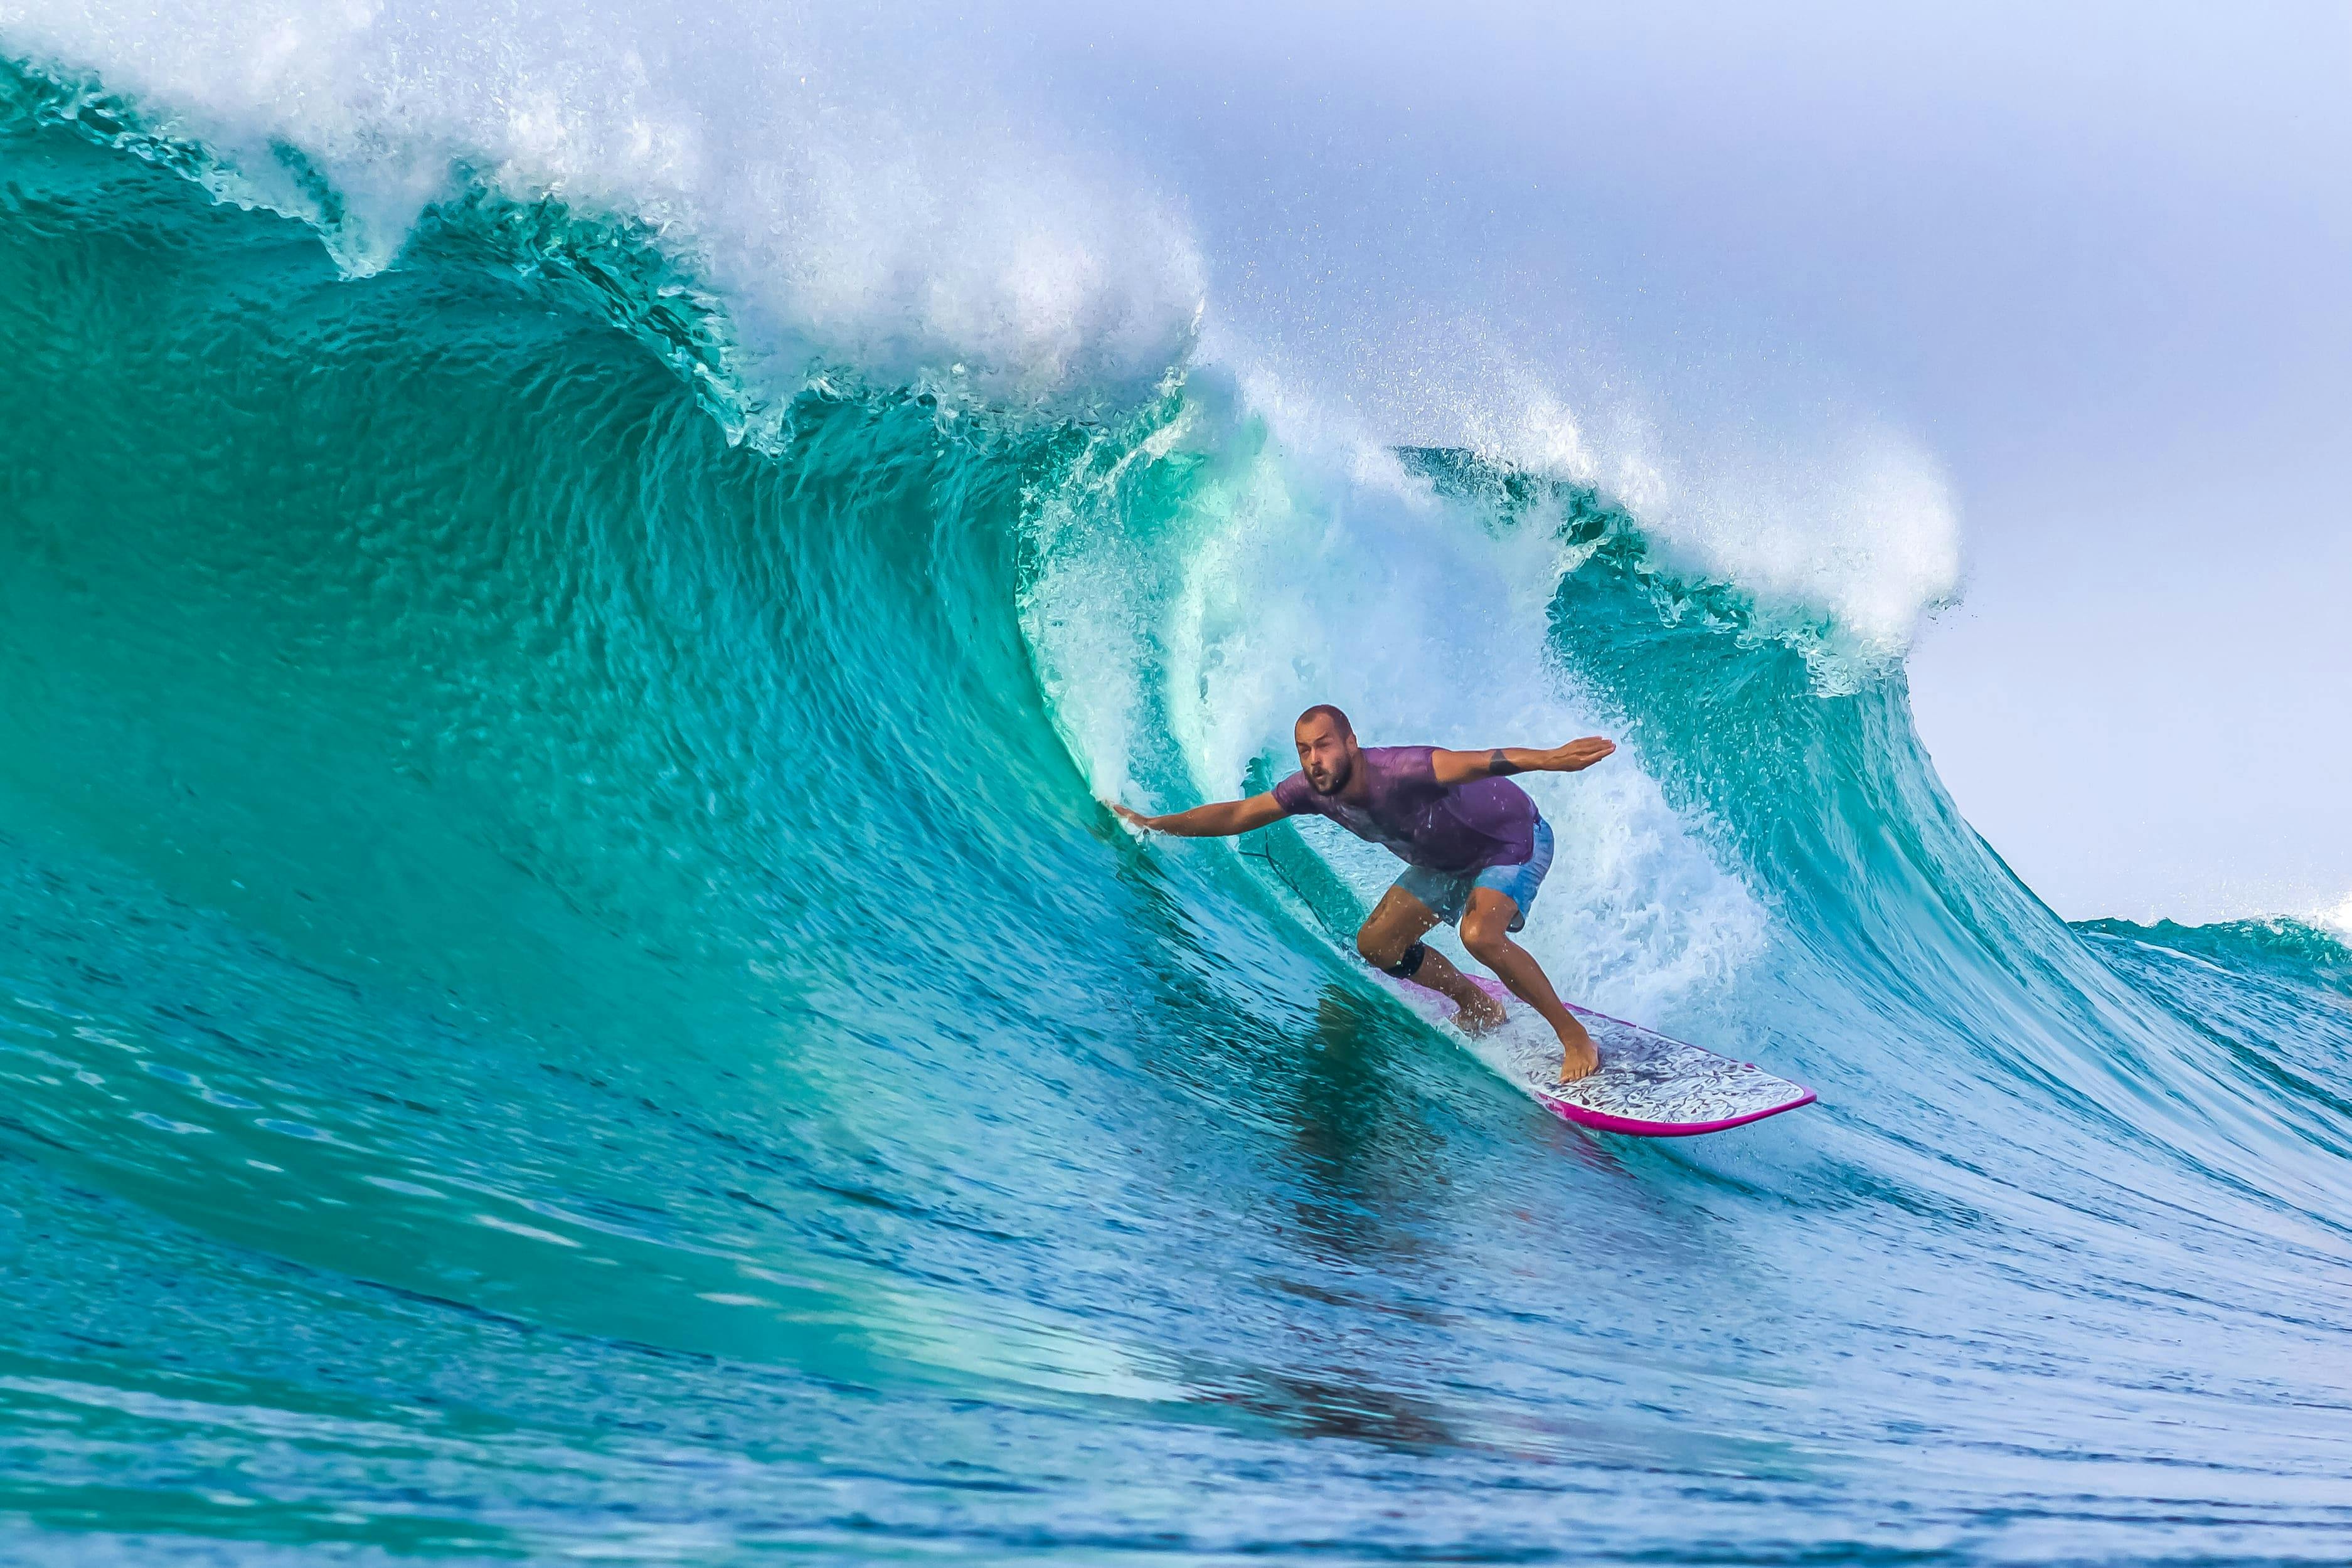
(565, 988)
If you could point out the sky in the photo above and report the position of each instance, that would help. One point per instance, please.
(2094, 259)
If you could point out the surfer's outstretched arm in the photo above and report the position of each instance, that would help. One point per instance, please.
(1462, 767)
(1221, 820)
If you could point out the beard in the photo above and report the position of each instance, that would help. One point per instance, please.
(1344, 770)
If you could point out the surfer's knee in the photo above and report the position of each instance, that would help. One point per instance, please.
(1486, 937)
(1389, 950)
(1408, 963)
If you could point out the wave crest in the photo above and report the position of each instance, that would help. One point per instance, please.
(849, 223)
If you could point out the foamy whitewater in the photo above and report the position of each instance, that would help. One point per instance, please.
(577, 582)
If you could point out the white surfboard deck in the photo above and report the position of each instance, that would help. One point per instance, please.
(1647, 1084)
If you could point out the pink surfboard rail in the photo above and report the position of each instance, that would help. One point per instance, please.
(1649, 1085)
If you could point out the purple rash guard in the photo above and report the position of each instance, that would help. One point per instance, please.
(1458, 827)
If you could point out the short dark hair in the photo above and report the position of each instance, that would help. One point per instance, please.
(1325, 710)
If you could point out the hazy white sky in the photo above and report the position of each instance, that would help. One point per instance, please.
(2098, 259)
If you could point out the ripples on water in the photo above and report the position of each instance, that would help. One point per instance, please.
(561, 992)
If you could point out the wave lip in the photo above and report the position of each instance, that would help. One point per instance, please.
(689, 182)
(857, 226)
(592, 956)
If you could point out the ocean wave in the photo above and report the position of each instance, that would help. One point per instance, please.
(845, 224)
(774, 214)
(2290, 950)
(568, 981)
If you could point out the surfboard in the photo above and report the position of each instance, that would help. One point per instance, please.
(1647, 1084)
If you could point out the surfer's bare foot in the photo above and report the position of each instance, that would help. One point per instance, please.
(1577, 1058)
(1478, 1011)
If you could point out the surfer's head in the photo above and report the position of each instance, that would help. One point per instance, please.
(1326, 749)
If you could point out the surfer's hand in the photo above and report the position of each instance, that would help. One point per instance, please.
(1579, 755)
(1134, 818)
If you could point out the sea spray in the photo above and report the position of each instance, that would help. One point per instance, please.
(565, 986)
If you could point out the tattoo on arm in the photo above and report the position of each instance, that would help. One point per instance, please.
(1499, 766)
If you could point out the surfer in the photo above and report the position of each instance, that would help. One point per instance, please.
(1475, 847)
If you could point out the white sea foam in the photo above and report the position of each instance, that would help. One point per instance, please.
(1862, 527)
(844, 211)
(2338, 919)
(1820, 515)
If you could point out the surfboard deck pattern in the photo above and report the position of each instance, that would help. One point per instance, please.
(1648, 1084)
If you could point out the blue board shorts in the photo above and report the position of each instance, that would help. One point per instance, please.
(1447, 892)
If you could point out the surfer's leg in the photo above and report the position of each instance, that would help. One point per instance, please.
(1487, 932)
(1397, 925)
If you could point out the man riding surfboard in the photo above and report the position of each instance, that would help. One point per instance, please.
(1475, 847)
